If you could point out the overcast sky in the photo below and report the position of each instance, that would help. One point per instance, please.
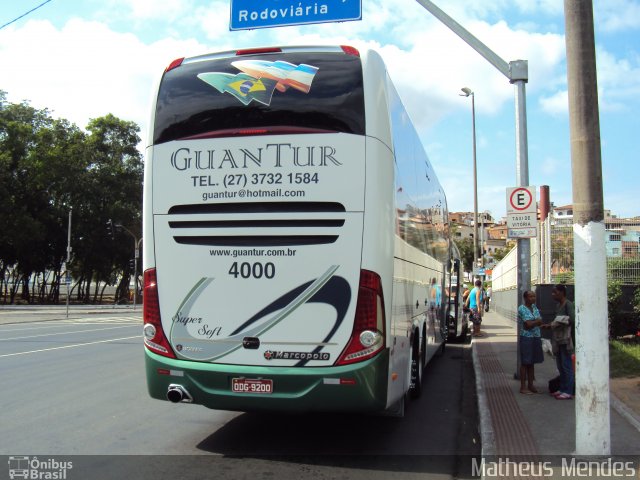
(85, 59)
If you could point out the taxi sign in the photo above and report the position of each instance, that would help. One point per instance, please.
(522, 220)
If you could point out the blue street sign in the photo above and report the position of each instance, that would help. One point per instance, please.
(249, 14)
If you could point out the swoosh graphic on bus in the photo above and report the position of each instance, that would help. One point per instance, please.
(194, 293)
(335, 292)
(325, 289)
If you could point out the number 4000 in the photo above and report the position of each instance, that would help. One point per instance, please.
(252, 270)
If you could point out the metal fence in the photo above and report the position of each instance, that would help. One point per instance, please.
(622, 244)
(552, 258)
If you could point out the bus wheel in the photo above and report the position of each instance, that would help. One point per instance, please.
(415, 388)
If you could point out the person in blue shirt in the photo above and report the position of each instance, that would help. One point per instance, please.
(530, 340)
(474, 302)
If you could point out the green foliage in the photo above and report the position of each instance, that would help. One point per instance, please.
(465, 246)
(614, 295)
(624, 269)
(48, 167)
(620, 323)
(624, 357)
(636, 301)
(500, 253)
(564, 277)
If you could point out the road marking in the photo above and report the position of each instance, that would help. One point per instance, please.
(69, 346)
(64, 333)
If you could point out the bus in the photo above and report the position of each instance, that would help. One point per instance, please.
(297, 254)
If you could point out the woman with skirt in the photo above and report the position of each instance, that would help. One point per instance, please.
(530, 320)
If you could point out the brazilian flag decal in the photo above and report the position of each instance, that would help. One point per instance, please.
(242, 86)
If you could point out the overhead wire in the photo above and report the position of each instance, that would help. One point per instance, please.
(24, 14)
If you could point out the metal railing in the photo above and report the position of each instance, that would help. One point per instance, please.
(552, 256)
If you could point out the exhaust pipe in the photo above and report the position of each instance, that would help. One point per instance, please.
(177, 393)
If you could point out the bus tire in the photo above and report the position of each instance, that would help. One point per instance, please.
(397, 409)
(417, 366)
(466, 336)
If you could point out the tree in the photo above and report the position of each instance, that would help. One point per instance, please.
(115, 179)
(465, 246)
(22, 202)
(48, 167)
(500, 253)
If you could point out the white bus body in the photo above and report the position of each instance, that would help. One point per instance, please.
(296, 245)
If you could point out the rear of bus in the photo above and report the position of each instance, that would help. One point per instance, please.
(254, 293)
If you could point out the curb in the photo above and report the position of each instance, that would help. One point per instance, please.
(487, 436)
(628, 414)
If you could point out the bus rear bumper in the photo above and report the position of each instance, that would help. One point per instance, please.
(360, 387)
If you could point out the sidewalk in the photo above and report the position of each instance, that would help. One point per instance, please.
(515, 424)
(20, 313)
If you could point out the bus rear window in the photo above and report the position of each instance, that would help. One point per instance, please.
(306, 90)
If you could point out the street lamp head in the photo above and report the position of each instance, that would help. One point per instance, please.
(467, 91)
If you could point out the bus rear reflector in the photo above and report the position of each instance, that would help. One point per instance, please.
(154, 338)
(368, 335)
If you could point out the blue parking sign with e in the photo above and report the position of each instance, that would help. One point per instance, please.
(249, 14)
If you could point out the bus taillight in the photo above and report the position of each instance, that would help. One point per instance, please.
(367, 338)
(258, 51)
(154, 338)
(175, 64)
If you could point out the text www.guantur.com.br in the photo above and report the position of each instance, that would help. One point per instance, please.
(253, 252)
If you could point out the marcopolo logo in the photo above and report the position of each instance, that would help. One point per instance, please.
(38, 469)
(274, 355)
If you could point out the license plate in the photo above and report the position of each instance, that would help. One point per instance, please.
(248, 385)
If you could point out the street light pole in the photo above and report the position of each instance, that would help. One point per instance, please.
(466, 93)
(482, 219)
(135, 263)
(135, 273)
(517, 71)
(67, 277)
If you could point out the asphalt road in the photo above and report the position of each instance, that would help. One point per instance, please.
(77, 387)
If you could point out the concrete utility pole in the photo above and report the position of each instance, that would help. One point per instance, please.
(593, 431)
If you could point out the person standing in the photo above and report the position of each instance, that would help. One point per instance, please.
(487, 299)
(564, 338)
(465, 294)
(530, 342)
(474, 302)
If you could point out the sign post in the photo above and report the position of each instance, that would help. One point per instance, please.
(522, 212)
(522, 224)
(251, 14)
